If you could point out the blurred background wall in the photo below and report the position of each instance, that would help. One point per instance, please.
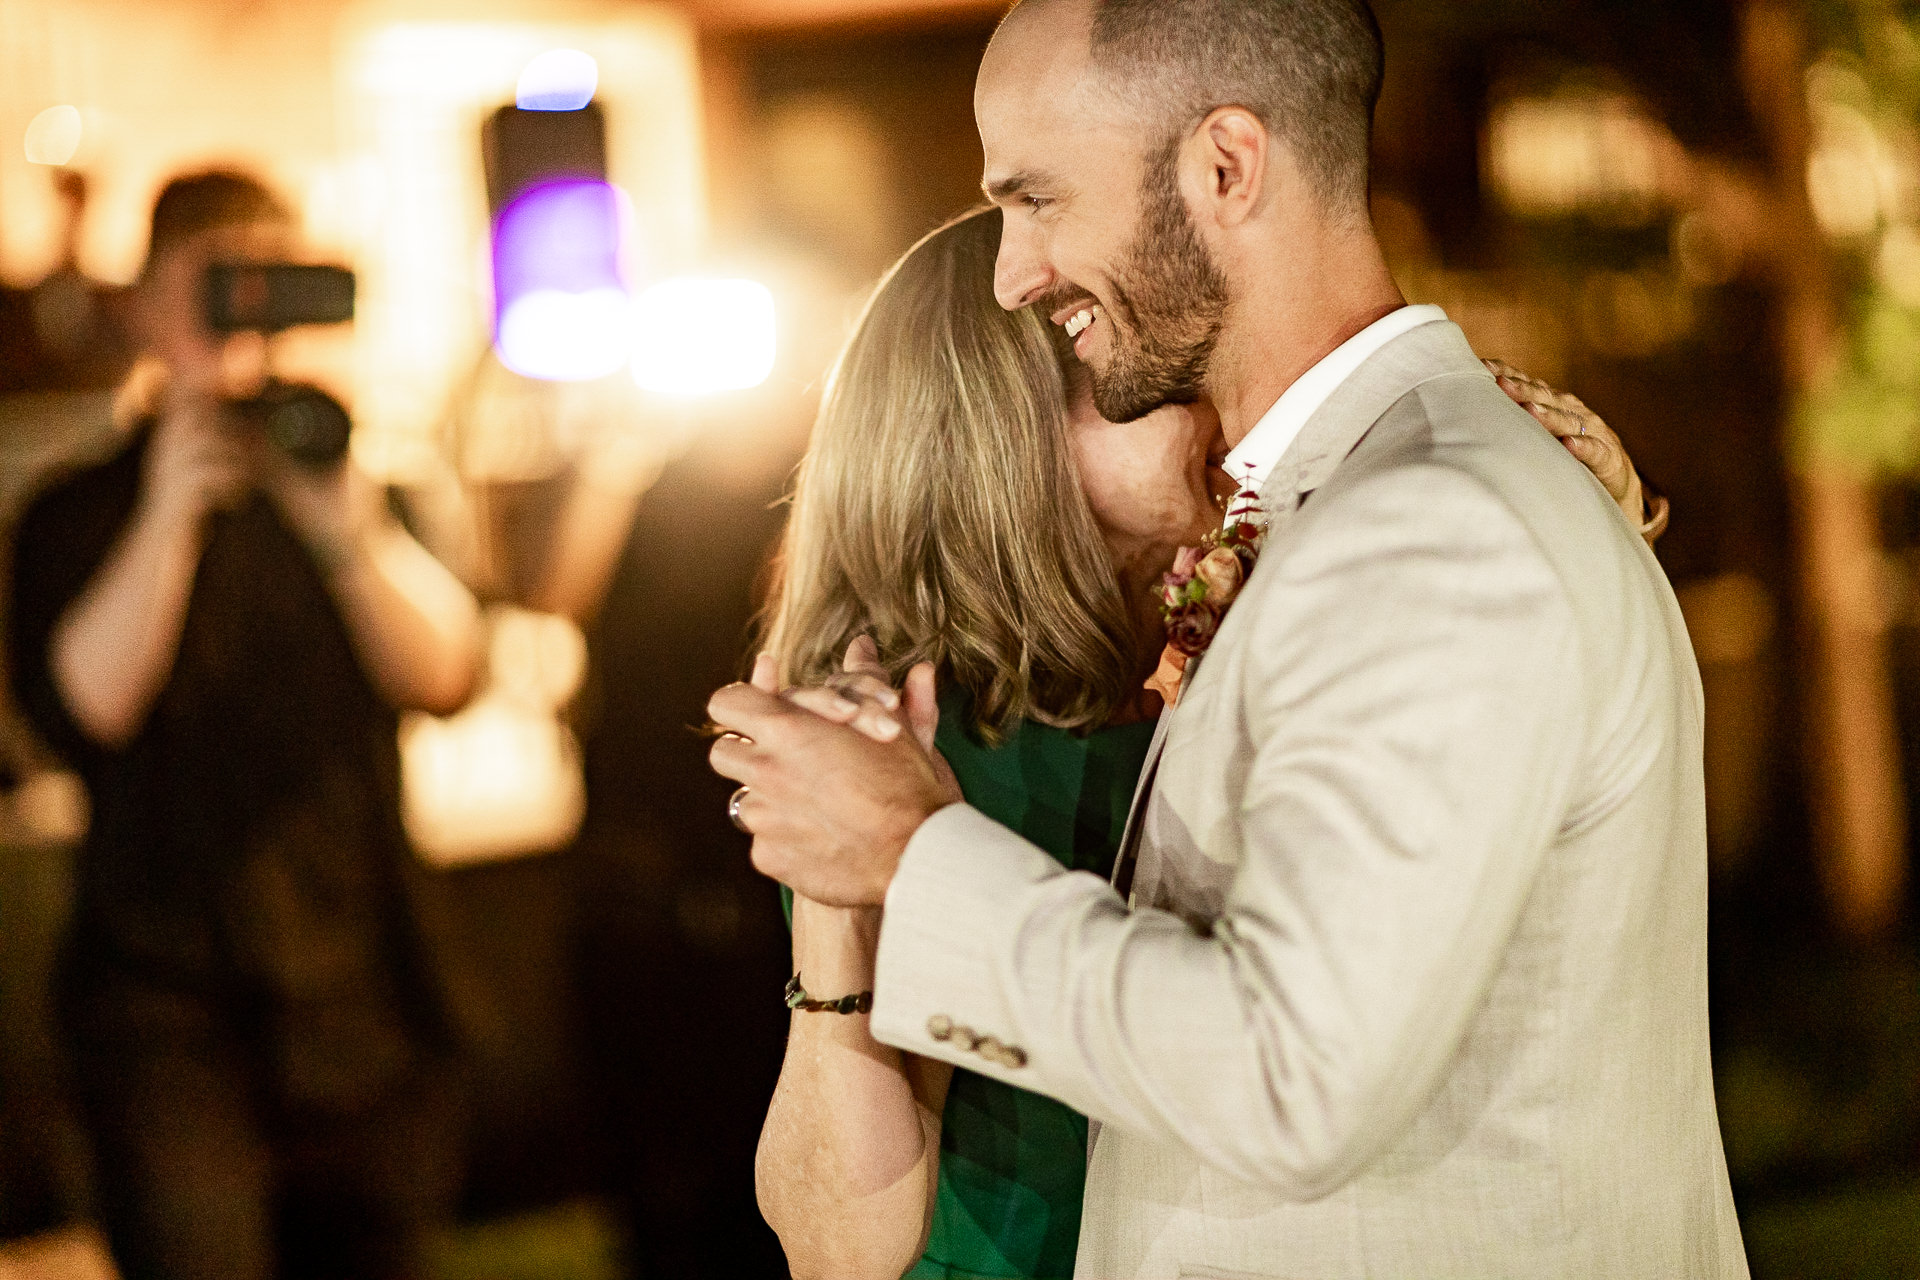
(1701, 216)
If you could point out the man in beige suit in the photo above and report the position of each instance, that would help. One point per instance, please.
(1411, 978)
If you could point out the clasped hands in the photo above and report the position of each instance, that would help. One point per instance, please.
(838, 777)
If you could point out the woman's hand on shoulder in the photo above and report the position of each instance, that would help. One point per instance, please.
(1590, 440)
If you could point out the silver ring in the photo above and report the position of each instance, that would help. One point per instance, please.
(733, 810)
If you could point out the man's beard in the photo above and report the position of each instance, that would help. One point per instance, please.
(1171, 298)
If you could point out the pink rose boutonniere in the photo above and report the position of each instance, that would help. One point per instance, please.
(1202, 585)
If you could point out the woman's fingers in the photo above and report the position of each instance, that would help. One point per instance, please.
(869, 717)
(825, 703)
(1507, 373)
(860, 696)
(1585, 434)
(863, 677)
(863, 658)
(863, 687)
(923, 705)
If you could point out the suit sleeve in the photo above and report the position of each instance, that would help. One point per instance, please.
(1412, 698)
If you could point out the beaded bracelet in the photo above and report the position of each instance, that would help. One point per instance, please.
(800, 1002)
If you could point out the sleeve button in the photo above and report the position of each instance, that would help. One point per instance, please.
(940, 1026)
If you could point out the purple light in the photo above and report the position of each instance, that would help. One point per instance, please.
(560, 235)
(559, 283)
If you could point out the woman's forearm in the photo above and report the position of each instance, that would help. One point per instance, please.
(113, 649)
(850, 1152)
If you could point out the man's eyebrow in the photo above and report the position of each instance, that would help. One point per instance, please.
(1014, 185)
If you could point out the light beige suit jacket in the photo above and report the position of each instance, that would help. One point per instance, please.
(1413, 979)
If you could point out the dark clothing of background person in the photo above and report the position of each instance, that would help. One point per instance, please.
(683, 947)
(257, 1044)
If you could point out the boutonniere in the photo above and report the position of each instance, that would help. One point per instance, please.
(1202, 585)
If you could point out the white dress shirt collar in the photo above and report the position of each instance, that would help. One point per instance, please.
(1255, 457)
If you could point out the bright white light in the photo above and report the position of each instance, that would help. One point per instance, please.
(557, 80)
(696, 336)
(567, 337)
(54, 136)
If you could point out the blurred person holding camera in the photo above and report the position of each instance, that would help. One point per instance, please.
(220, 637)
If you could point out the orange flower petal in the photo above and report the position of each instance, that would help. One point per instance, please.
(1165, 679)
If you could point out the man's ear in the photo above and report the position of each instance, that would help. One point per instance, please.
(1230, 156)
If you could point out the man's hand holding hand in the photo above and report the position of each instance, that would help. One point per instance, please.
(835, 789)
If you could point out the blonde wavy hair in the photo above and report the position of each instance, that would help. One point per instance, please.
(938, 508)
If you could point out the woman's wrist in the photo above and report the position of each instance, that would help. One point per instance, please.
(834, 948)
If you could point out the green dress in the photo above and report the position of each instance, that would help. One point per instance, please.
(1013, 1164)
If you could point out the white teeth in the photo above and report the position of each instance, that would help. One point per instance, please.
(1078, 323)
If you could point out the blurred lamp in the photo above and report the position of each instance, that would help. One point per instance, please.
(557, 80)
(695, 336)
(53, 137)
(494, 781)
(502, 777)
(561, 308)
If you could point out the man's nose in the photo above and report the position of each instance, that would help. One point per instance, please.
(1021, 275)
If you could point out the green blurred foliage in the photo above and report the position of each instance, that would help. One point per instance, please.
(1865, 416)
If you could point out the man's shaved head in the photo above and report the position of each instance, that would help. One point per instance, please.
(1151, 158)
(1311, 70)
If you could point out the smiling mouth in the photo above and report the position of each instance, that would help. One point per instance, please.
(1081, 320)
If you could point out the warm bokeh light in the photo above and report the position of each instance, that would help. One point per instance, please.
(502, 777)
(493, 782)
(699, 336)
(1898, 264)
(54, 136)
(537, 658)
(557, 80)
(420, 93)
(1861, 172)
(1581, 150)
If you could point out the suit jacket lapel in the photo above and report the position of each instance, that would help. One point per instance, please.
(1437, 349)
(1123, 862)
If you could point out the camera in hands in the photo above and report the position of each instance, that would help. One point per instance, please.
(302, 421)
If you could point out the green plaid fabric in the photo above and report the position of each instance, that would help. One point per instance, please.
(1013, 1164)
